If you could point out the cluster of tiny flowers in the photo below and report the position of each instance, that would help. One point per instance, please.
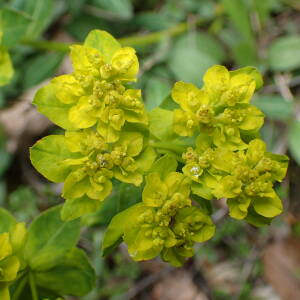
(165, 223)
(229, 160)
(220, 109)
(96, 109)
(108, 135)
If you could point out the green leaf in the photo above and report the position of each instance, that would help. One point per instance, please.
(268, 207)
(192, 54)
(13, 25)
(239, 15)
(104, 42)
(75, 208)
(255, 219)
(40, 67)
(48, 105)
(244, 53)
(169, 104)
(6, 67)
(156, 90)
(47, 156)
(294, 140)
(23, 203)
(5, 157)
(80, 26)
(164, 165)
(153, 21)
(75, 7)
(161, 124)
(118, 227)
(2, 192)
(42, 13)
(123, 196)
(118, 8)
(284, 53)
(74, 275)
(274, 107)
(7, 220)
(49, 239)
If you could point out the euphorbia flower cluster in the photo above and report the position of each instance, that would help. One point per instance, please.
(213, 135)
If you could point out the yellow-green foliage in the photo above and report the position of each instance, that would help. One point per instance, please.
(108, 134)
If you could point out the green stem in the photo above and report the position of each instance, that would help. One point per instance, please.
(135, 40)
(154, 37)
(19, 289)
(33, 288)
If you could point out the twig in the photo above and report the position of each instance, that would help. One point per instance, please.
(282, 83)
(274, 88)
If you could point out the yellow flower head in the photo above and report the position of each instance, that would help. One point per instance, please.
(220, 109)
(95, 94)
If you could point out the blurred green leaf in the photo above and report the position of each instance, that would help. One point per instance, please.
(5, 159)
(169, 104)
(42, 12)
(75, 7)
(239, 15)
(7, 220)
(271, 133)
(74, 275)
(80, 26)
(284, 53)
(13, 25)
(23, 203)
(119, 8)
(156, 90)
(2, 192)
(192, 54)
(153, 21)
(274, 107)
(264, 8)
(294, 140)
(6, 68)
(49, 239)
(40, 67)
(244, 54)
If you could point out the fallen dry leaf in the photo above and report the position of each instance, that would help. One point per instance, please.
(177, 285)
(282, 264)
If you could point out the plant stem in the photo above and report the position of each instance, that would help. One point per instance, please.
(33, 288)
(154, 37)
(47, 45)
(20, 287)
(135, 40)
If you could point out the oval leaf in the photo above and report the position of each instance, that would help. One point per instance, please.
(49, 239)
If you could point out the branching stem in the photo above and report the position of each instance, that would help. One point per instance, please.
(135, 40)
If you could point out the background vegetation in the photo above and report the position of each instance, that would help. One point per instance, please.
(175, 40)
